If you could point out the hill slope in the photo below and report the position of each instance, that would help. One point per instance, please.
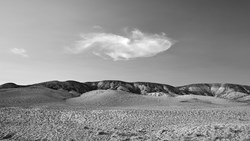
(31, 96)
(228, 91)
(119, 99)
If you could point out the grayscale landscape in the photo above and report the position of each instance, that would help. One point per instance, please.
(124, 70)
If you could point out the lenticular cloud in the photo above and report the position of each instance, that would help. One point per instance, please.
(110, 46)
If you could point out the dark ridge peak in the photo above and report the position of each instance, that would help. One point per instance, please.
(52, 81)
(141, 82)
(69, 85)
(114, 82)
(9, 85)
(58, 82)
(71, 81)
(109, 81)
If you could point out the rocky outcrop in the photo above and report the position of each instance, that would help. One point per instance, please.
(227, 91)
(161, 94)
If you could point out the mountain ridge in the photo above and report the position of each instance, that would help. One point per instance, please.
(221, 90)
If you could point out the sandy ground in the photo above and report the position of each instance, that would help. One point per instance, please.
(44, 114)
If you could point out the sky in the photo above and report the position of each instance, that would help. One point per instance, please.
(174, 42)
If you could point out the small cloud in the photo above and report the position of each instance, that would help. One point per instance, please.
(97, 27)
(19, 51)
(110, 46)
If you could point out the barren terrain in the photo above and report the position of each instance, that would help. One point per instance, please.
(127, 124)
(42, 113)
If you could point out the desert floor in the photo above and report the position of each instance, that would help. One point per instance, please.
(112, 115)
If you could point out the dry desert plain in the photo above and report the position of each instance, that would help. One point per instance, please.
(44, 114)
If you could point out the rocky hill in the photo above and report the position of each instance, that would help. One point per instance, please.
(9, 85)
(228, 91)
(133, 87)
(67, 85)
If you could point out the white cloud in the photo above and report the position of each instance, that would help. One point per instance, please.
(19, 51)
(135, 44)
(97, 27)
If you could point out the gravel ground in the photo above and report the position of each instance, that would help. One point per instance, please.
(43, 124)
